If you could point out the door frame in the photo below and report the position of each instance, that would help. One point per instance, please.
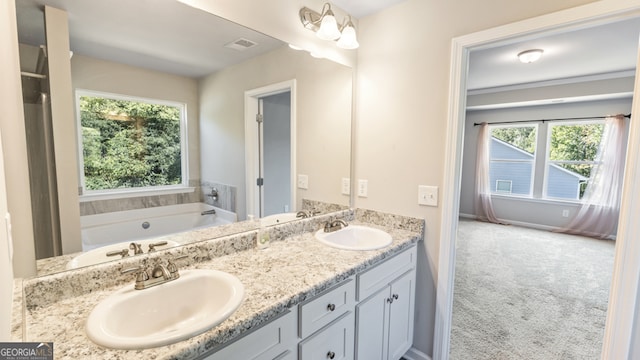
(251, 108)
(618, 337)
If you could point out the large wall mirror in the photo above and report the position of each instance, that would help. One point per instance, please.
(164, 50)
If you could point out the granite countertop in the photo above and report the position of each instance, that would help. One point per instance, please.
(275, 279)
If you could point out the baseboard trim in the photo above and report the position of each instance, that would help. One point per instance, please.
(526, 224)
(415, 354)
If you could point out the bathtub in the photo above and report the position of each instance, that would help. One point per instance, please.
(115, 227)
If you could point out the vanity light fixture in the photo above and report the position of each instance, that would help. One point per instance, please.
(326, 27)
(529, 56)
(348, 39)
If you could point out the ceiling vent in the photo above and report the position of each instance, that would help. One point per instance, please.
(241, 44)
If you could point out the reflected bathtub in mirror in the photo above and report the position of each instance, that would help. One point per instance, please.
(214, 135)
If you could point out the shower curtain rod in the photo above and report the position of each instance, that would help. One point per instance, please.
(544, 120)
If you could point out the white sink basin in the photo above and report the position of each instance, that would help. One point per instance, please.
(166, 313)
(278, 219)
(99, 255)
(355, 237)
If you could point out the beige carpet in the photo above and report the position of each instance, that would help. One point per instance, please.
(528, 294)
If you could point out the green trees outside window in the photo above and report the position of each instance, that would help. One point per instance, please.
(129, 143)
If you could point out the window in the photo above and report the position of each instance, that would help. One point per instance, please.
(512, 159)
(130, 144)
(504, 186)
(571, 151)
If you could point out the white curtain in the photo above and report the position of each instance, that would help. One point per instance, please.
(598, 216)
(483, 205)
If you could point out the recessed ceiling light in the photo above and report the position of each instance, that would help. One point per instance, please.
(529, 56)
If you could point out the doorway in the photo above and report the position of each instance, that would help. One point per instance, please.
(270, 149)
(620, 320)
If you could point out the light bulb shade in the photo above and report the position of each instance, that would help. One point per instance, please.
(348, 39)
(530, 56)
(328, 27)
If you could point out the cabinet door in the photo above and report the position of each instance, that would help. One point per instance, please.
(401, 315)
(371, 329)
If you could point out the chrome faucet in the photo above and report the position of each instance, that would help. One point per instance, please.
(334, 225)
(159, 275)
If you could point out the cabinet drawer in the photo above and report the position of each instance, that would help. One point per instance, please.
(336, 341)
(327, 307)
(268, 342)
(375, 279)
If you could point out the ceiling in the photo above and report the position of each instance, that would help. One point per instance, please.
(362, 8)
(163, 35)
(605, 49)
(169, 36)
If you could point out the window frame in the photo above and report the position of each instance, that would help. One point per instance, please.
(87, 195)
(548, 162)
(533, 161)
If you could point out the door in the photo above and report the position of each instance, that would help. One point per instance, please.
(276, 154)
(270, 149)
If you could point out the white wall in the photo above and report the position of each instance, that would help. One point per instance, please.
(401, 112)
(323, 121)
(11, 104)
(89, 73)
(14, 146)
(547, 214)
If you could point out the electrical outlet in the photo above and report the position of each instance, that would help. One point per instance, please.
(428, 195)
(362, 188)
(346, 186)
(303, 181)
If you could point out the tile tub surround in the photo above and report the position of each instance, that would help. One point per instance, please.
(293, 268)
(140, 202)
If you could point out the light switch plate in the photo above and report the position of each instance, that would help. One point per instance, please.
(362, 188)
(428, 195)
(346, 186)
(303, 181)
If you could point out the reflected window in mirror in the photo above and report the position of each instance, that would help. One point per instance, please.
(130, 144)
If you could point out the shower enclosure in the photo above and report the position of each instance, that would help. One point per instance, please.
(40, 151)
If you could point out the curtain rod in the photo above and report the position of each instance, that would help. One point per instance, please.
(544, 120)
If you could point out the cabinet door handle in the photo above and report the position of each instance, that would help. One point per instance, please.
(395, 296)
(331, 355)
(331, 307)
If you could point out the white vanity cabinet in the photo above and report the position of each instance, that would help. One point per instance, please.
(384, 315)
(366, 317)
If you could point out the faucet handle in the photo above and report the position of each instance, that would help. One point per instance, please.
(123, 253)
(152, 247)
(171, 266)
(140, 271)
